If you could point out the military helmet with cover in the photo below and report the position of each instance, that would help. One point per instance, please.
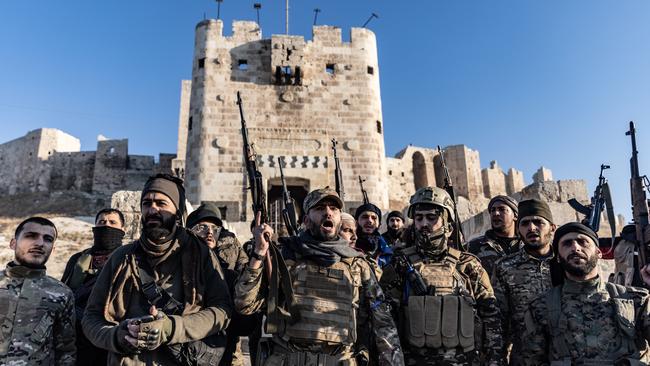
(433, 196)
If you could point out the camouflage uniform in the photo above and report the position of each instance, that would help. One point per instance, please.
(486, 332)
(490, 247)
(518, 279)
(345, 299)
(37, 320)
(588, 323)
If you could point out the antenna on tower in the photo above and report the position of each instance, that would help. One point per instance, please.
(219, 8)
(257, 7)
(316, 11)
(373, 15)
(286, 14)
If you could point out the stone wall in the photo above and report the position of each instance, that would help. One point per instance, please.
(48, 160)
(542, 175)
(24, 161)
(72, 171)
(514, 181)
(494, 180)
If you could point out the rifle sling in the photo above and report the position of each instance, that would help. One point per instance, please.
(152, 291)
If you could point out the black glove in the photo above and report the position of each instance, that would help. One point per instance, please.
(120, 335)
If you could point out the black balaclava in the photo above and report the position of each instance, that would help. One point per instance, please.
(106, 238)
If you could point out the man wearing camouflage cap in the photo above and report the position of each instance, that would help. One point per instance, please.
(520, 277)
(586, 320)
(333, 305)
(444, 296)
(502, 238)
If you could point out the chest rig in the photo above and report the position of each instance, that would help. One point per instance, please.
(444, 317)
(327, 299)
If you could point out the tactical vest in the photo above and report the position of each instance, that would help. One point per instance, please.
(327, 300)
(445, 317)
(628, 352)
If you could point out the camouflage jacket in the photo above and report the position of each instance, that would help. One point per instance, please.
(487, 323)
(585, 322)
(230, 252)
(518, 279)
(37, 320)
(374, 323)
(489, 248)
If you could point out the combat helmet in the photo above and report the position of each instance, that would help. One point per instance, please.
(432, 195)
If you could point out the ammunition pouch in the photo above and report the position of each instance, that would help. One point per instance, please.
(440, 321)
(297, 358)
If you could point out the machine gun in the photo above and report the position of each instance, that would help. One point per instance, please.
(601, 199)
(638, 186)
(289, 209)
(363, 191)
(457, 235)
(254, 176)
(414, 278)
(338, 174)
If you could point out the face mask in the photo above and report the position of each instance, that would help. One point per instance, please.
(432, 244)
(107, 238)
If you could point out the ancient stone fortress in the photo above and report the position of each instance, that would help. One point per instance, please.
(299, 94)
(48, 159)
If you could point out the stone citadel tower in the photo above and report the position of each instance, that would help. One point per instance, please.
(297, 96)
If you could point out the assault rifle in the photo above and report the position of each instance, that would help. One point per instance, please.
(254, 175)
(638, 186)
(276, 269)
(289, 210)
(601, 199)
(414, 277)
(457, 235)
(363, 191)
(338, 174)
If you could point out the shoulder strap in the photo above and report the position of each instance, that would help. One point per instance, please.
(454, 255)
(151, 290)
(556, 327)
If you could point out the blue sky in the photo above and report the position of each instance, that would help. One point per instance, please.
(527, 83)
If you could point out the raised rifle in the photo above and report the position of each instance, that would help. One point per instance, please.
(289, 209)
(338, 174)
(457, 235)
(276, 269)
(638, 186)
(363, 191)
(601, 199)
(255, 183)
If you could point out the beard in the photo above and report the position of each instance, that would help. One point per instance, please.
(30, 262)
(158, 228)
(579, 270)
(315, 229)
(545, 239)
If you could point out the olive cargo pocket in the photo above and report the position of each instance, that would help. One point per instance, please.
(416, 321)
(450, 321)
(432, 310)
